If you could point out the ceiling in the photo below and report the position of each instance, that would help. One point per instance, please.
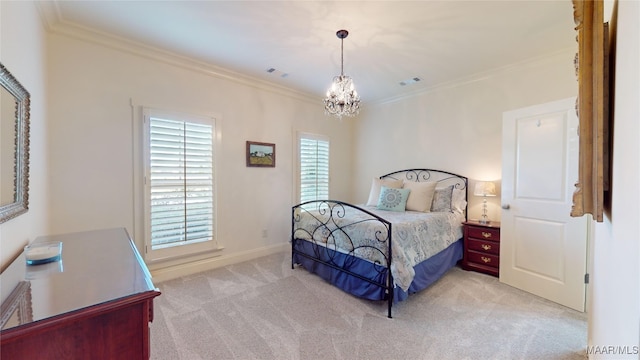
(389, 41)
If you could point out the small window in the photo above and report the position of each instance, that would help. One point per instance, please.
(180, 214)
(313, 155)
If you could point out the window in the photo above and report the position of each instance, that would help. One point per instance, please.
(179, 184)
(313, 155)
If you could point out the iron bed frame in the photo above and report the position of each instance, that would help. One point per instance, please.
(330, 211)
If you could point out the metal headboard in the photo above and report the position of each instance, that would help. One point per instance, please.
(441, 177)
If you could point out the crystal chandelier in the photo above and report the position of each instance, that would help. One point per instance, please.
(342, 98)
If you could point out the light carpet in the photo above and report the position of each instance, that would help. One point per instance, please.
(262, 309)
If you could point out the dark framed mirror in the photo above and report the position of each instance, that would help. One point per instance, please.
(14, 146)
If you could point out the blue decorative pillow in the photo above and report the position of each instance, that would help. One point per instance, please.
(393, 199)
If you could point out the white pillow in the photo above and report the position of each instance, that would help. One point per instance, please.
(420, 196)
(374, 193)
(458, 202)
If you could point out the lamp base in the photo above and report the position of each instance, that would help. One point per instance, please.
(484, 219)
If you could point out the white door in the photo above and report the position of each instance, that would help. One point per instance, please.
(543, 250)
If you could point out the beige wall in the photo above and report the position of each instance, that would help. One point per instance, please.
(95, 133)
(22, 52)
(615, 274)
(457, 127)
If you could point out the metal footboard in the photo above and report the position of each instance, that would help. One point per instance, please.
(330, 228)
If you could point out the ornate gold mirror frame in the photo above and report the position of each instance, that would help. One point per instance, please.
(591, 108)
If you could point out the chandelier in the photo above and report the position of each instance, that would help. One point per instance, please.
(342, 98)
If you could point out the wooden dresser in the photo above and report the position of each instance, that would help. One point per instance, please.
(482, 247)
(95, 303)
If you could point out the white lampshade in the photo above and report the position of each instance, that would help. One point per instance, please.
(485, 188)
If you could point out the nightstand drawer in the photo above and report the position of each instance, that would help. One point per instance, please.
(490, 247)
(484, 233)
(484, 259)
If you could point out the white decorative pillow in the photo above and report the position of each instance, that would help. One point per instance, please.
(421, 195)
(393, 199)
(374, 193)
(458, 200)
(442, 199)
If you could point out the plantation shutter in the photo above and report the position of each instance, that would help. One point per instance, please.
(314, 168)
(180, 182)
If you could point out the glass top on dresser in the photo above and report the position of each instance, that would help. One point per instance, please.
(95, 267)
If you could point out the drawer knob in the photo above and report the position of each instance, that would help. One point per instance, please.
(486, 246)
(486, 235)
(485, 259)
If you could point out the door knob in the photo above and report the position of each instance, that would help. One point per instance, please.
(506, 206)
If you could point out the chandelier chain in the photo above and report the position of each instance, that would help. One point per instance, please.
(342, 56)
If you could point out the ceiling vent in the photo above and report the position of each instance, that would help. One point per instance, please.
(409, 81)
(277, 72)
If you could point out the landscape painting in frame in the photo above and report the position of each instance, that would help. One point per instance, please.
(261, 154)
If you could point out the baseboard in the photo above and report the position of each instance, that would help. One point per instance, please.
(193, 267)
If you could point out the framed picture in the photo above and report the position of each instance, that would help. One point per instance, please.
(261, 154)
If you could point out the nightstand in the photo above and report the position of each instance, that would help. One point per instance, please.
(482, 247)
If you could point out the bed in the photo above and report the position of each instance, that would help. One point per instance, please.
(405, 237)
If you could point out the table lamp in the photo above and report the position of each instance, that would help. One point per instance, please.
(484, 189)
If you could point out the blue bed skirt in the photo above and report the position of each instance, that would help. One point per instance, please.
(427, 272)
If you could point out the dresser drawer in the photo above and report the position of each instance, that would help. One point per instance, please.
(484, 233)
(489, 247)
(484, 259)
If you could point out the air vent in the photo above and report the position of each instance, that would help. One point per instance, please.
(409, 81)
(277, 72)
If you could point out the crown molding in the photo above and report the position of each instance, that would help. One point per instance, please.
(55, 24)
(517, 66)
